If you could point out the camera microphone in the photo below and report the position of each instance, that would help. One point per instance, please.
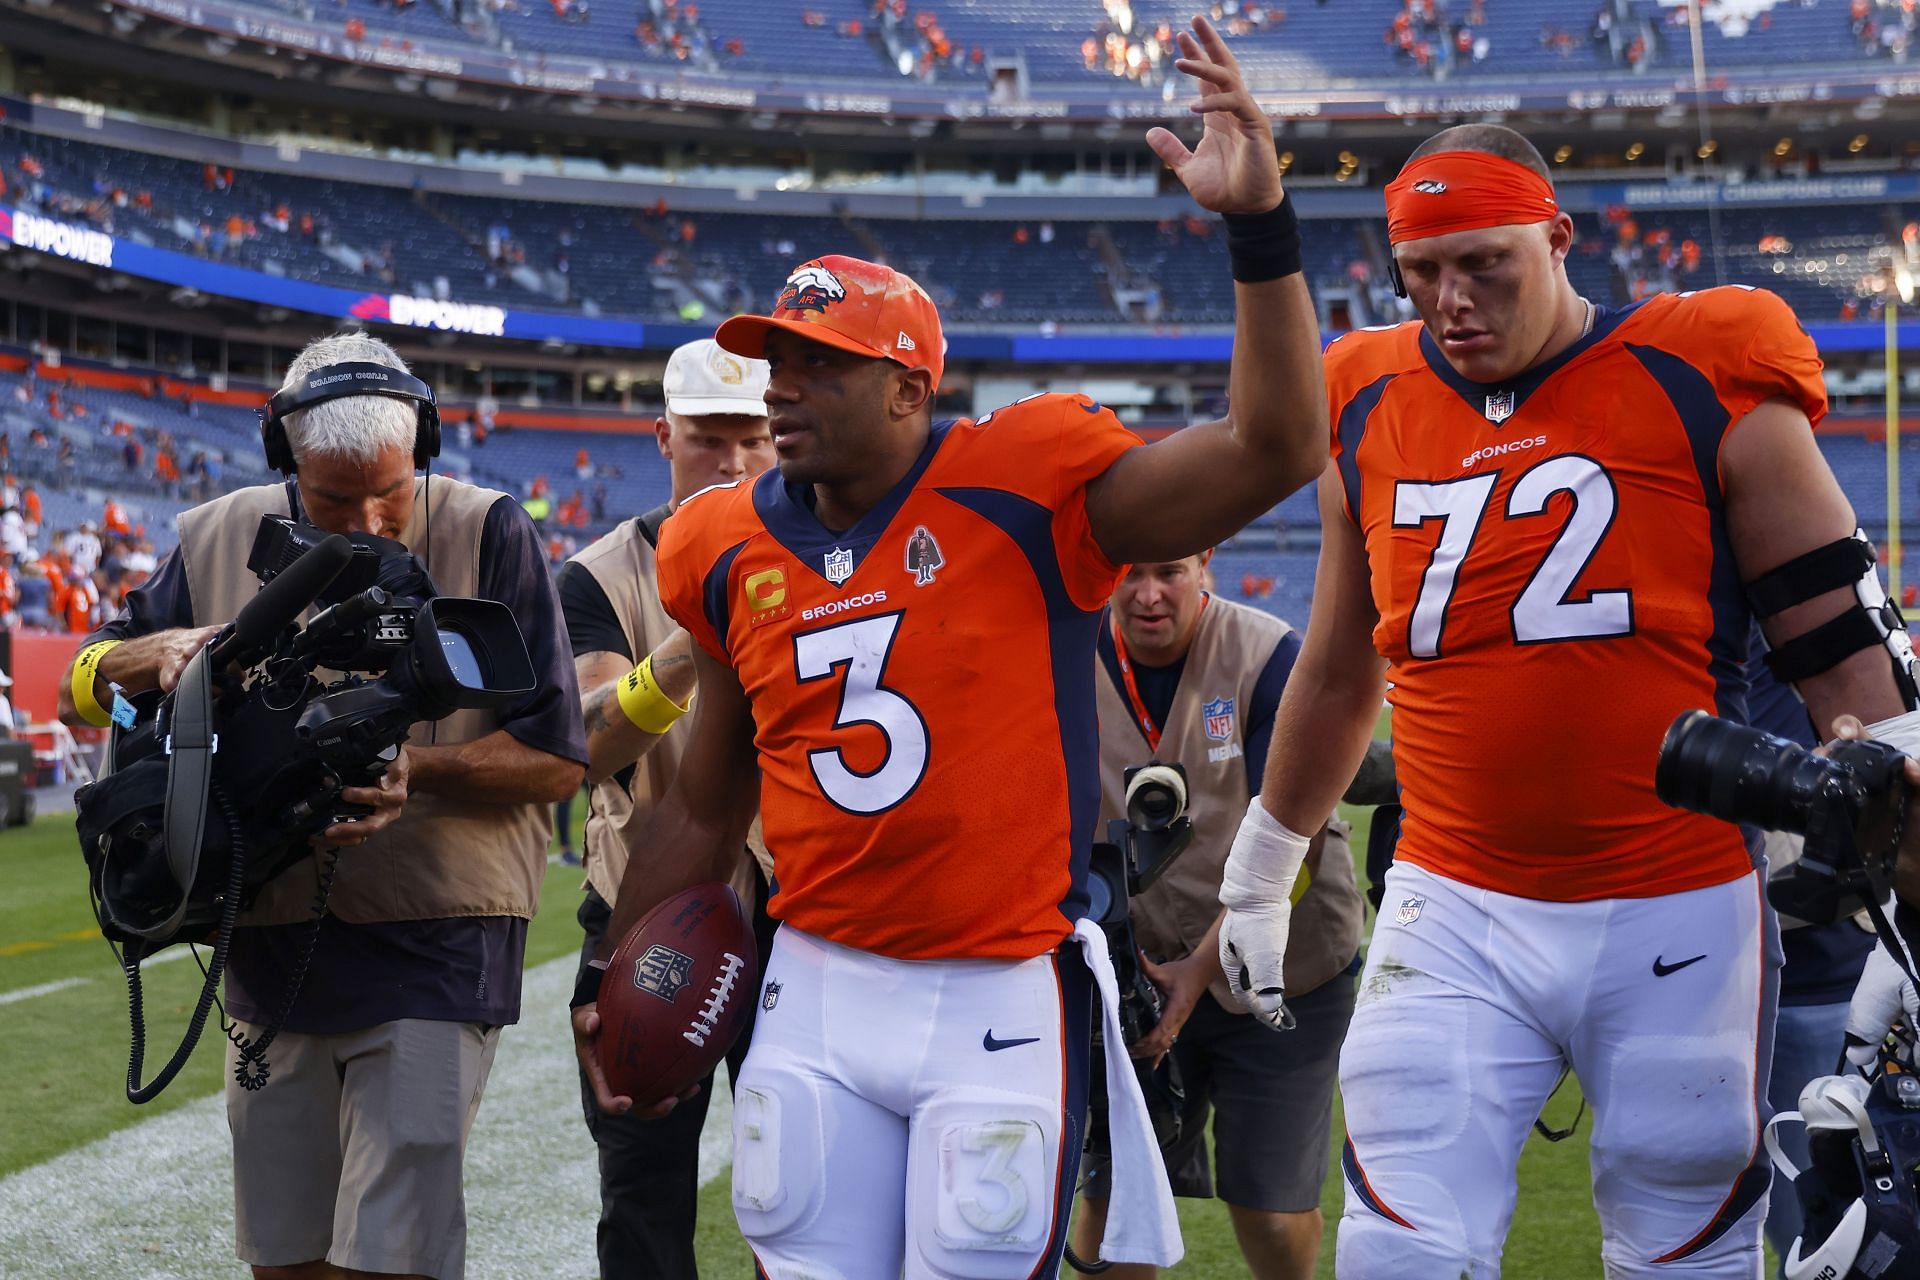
(282, 600)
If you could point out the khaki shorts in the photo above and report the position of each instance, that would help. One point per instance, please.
(353, 1150)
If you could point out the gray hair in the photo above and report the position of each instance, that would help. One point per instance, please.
(356, 428)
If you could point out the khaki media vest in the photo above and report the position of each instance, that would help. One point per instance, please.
(1230, 647)
(440, 857)
(622, 563)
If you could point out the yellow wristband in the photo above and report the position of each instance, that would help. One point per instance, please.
(646, 706)
(86, 668)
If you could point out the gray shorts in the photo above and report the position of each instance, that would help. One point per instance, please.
(1272, 1093)
(353, 1150)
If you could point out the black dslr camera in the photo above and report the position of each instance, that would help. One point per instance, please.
(1139, 848)
(218, 786)
(1849, 804)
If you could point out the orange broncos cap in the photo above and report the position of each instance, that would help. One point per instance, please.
(851, 304)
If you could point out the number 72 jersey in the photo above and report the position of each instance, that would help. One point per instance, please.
(921, 683)
(1550, 563)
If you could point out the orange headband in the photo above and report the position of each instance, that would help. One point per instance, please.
(1464, 191)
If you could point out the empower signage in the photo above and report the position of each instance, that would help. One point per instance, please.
(62, 239)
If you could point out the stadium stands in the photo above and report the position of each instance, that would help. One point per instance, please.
(661, 264)
(1122, 45)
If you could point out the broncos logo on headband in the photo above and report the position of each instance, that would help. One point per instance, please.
(810, 288)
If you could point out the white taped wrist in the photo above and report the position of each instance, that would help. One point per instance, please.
(1901, 732)
(1265, 861)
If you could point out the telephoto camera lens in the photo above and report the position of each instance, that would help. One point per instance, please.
(1713, 766)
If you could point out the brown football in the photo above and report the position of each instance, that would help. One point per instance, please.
(676, 993)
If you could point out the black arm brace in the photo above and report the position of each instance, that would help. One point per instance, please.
(1873, 620)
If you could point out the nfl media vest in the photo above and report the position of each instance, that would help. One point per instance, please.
(622, 563)
(439, 857)
(1231, 645)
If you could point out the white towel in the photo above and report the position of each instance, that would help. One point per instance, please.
(1141, 1223)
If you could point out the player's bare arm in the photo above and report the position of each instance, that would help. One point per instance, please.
(614, 741)
(690, 836)
(1183, 494)
(1320, 736)
(1329, 707)
(697, 830)
(1782, 502)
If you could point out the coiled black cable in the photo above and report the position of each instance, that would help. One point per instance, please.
(251, 1069)
(130, 965)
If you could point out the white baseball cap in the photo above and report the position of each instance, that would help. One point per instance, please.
(702, 379)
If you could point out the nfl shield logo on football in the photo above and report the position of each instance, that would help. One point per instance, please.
(839, 565)
(1499, 406)
(1219, 714)
(1410, 908)
(662, 972)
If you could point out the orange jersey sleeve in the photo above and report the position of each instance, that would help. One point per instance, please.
(1072, 440)
(697, 546)
(1747, 342)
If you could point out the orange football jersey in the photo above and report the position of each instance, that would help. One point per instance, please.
(1551, 567)
(922, 683)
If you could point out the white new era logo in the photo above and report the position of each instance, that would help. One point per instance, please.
(903, 342)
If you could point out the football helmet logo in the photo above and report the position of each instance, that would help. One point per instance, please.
(811, 288)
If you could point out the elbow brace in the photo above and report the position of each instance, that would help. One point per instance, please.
(1872, 620)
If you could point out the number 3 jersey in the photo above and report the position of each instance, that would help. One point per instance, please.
(1550, 563)
(921, 683)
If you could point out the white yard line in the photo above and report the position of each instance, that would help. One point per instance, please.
(156, 1200)
(44, 989)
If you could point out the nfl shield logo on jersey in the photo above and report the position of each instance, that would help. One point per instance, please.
(1219, 717)
(1410, 908)
(1499, 406)
(839, 565)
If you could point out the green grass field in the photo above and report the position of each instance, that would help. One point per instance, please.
(64, 1056)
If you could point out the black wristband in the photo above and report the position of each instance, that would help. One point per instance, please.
(586, 987)
(1264, 246)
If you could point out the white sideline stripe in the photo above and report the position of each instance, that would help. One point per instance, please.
(168, 957)
(156, 1200)
(44, 989)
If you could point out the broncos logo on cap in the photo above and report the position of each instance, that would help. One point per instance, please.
(810, 288)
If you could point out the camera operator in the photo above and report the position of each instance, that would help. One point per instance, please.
(1190, 678)
(349, 1159)
(714, 432)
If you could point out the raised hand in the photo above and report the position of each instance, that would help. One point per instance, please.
(1235, 168)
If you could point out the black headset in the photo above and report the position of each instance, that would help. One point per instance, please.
(336, 382)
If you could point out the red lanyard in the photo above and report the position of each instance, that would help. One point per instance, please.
(1140, 713)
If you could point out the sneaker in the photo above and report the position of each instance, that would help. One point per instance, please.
(569, 858)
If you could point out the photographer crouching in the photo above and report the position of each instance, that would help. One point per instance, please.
(384, 1010)
(1191, 679)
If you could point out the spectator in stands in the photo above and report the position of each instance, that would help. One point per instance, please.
(582, 464)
